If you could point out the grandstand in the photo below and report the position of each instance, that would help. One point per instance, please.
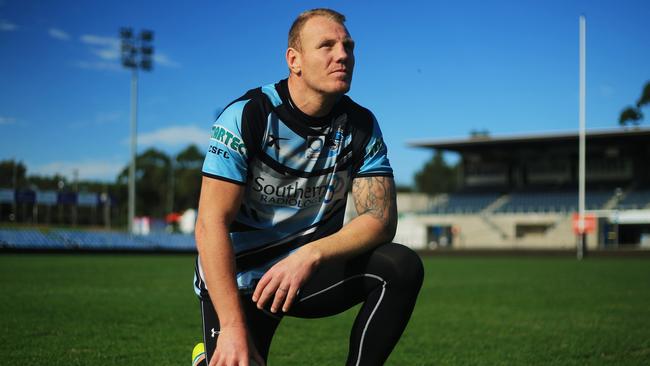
(33, 206)
(29, 239)
(638, 199)
(522, 191)
(75, 240)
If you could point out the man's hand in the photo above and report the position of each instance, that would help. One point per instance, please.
(234, 348)
(282, 281)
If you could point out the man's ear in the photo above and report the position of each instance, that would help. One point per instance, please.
(294, 61)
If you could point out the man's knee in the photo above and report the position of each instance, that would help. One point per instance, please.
(402, 266)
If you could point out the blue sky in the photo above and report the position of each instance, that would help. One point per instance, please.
(428, 69)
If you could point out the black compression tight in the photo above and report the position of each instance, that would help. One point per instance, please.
(386, 280)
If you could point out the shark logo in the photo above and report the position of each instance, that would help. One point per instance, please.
(214, 332)
(314, 147)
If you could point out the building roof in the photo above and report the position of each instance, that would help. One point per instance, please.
(618, 135)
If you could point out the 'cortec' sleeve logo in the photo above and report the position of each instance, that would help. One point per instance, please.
(228, 139)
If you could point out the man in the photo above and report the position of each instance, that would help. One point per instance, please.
(270, 231)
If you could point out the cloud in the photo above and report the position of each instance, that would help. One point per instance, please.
(164, 60)
(6, 26)
(108, 54)
(87, 169)
(7, 120)
(96, 40)
(106, 48)
(98, 65)
(58, 34)
(106, 51)
(174, 136)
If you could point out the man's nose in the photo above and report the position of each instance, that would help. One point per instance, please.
(342, 53)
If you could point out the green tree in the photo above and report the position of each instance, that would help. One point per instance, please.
(47, 182)
(187, 178)
(633, 114)
(12, 174)
(436, 176)
(152, 181)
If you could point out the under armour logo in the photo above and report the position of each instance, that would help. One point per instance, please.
(214, 332)
(274, 141)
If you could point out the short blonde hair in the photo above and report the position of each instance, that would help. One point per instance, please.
(299, 23)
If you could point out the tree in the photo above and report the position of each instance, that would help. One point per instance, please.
(633, 114)
(12, 174)
(436, 176)
(630, 115)
(48, 183)
(190, 158)
(645, 96)
(152, 181)
(187, 178)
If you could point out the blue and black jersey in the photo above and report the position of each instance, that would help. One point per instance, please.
(296, 170)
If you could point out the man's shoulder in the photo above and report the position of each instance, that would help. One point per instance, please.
(254, 103)
(254, 96)
(358, 115)
(351, 105)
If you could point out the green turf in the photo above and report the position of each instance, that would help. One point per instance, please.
(140, 310)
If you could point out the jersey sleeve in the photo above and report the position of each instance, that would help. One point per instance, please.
(226, 158)
(375, 160)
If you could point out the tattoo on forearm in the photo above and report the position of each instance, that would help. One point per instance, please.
(376, 196)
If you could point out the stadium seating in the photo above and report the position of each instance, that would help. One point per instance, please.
(464, 203)
(103, 240)
(171, 242)
(94, 241)
(636, 199)
(29, 239)
(561, 201)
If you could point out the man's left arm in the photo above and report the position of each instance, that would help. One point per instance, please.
(374, 200)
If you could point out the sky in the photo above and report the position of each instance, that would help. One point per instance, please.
(427, 69)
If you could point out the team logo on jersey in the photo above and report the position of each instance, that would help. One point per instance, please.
(315, 145)
(229, 139)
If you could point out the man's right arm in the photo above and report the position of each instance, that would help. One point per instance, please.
(218, 205)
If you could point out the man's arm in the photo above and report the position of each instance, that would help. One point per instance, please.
(374, 200)
(218, 205)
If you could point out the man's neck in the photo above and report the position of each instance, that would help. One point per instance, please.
(309, 101)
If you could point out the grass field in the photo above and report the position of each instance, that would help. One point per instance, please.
(141, 310)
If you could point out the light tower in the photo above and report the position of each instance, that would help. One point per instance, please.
(582, 237)
(137, 53)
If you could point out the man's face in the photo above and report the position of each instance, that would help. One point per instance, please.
(326, 56)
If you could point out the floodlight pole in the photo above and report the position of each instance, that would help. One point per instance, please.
(581, 174)
(136, 53)
(134, 145)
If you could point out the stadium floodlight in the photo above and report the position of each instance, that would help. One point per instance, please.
(581, 245)
(137, 53)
